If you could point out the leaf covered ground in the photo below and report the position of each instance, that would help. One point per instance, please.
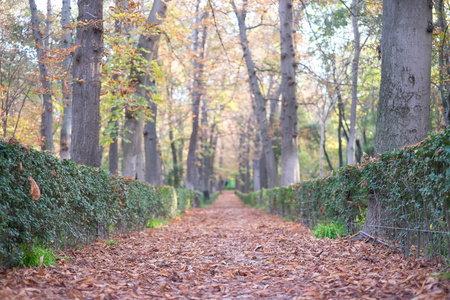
(228, 251)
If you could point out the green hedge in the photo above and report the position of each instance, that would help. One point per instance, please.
(411, 185)
(77, 203)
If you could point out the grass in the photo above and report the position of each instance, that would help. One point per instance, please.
(330, 230)
(110, 242)
(153, 223)
(36, 256)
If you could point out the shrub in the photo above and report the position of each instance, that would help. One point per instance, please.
(77, 204)
(411, 186)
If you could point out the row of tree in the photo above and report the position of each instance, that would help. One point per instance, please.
(195, 92)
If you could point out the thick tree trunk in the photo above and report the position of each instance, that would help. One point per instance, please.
(87, 69)
(259, 99)
(132, 150)
(290, 166)
(355, 67)
(47, 114)
(66, 127)
(197, 91)
(404, 104)
(444, 61)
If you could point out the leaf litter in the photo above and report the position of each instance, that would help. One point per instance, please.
(228, 251)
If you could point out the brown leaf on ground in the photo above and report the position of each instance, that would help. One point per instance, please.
(229, 251)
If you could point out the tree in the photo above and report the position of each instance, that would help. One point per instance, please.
(444, 60)
(404, 104)
(197, 91)
(66, 88)
(355, 66)
(153, 173)
(87, 69)
(47, 114)
(290, 168)
(259, 99)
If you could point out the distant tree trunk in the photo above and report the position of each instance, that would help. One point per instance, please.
(114, 147)
(290, 166)
(444, 61)
(259, 99)
(47, 114)
(341, 160)
(355, 67)
(197, 91)
(256, 159)
(176, 176)
(87, 69)
(247, 159)
(404, 103)
(322, 144)
(66, 88)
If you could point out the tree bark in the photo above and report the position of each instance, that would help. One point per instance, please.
(404, 104)
(197, 91)
(444, 61)
(256, 159)
(153, 171)
(66, 88)
(355, 67)
(87, 69)
(47, 114)
(176, 177)
(259, 99)
(290, 166)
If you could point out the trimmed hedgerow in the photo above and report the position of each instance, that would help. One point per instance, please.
(411, 186)
(77, 204)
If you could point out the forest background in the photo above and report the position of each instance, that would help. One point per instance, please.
(199, 86)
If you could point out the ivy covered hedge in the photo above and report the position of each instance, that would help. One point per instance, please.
(411, 186)
(77, 203)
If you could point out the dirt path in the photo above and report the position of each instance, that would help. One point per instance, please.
(227, 251)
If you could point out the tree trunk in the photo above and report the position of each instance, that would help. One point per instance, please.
(132, 149)
(114, 146)
(341, 160)
(256, 160)
(66, 88)
(133, 157)
(87, 69)
(247, 157)
(321, 147)
(404, 104)
(153, 168)
(355, 66)
(47, 114)
(197, 91)
(290, 167)
(153, 174)
(444, 61)
(259, 99)
(114, 150)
